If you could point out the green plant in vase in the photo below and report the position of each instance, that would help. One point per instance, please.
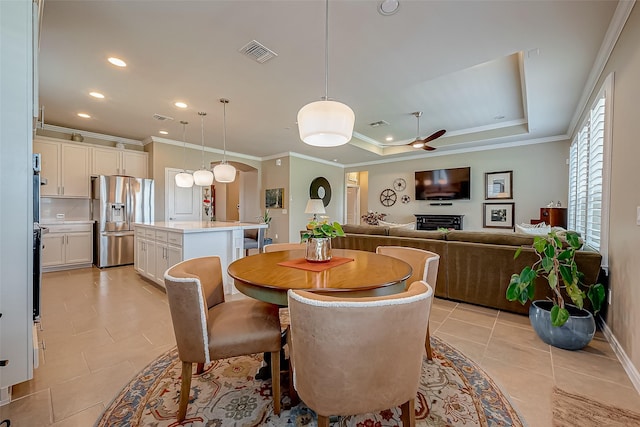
(318, 229)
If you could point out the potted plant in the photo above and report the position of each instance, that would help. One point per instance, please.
(557, 323)
(318, 237)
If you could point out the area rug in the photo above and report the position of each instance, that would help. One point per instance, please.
(453, 391)
(575, 410)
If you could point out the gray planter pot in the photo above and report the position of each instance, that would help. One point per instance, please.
(573, 335)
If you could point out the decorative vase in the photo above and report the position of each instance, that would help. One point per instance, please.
(577, 333)
(318, 249)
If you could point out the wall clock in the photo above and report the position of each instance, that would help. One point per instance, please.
(388, 197)
(399, 184)
(320, 189)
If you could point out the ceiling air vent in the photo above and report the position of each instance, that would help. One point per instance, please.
(161, 118)
(257, 52)
(379, 123)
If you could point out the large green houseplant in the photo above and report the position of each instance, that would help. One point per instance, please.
(556, 263)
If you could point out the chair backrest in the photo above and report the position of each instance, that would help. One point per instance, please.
(423, 263)
(275, 247)
(370, 347)
(193, 286)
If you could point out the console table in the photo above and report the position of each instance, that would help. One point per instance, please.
(433, 222)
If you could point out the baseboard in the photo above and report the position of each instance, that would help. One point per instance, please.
(631, 370)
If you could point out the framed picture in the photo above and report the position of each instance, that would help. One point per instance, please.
(498, 215)
(498, 185)
(274, 198)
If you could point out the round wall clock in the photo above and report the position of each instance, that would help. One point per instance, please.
(388, 197)
(399, 184)
(320, 189)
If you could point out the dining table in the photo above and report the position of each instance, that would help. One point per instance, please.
(350, 273)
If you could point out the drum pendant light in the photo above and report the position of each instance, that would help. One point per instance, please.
(184, 179)
(203, 177)
(326, 123)
(224, 172)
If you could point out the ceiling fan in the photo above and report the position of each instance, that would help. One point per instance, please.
(422, 143)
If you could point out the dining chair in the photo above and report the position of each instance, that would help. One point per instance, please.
(275, 247)
(424, 265)
(209, 328)
(358, 355)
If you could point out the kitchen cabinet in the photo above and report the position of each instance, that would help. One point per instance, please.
(156, 251)
(114, 161)
(65, 166)
(67, 246)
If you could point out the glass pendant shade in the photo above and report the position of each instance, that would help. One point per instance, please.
(326, 123)
(184, 180)
(224, 173)
(203, 177)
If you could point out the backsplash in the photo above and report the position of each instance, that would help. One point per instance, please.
(72, 209)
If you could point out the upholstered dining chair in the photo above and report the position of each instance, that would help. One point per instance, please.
(209, 328)
(425, 267)
(358, 355)
(275, 247)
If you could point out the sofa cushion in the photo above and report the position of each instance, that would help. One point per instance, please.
(420, 234)
(509, 239)
(366, 229)
(407, 226)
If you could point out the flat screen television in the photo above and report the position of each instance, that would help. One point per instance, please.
(444, 184)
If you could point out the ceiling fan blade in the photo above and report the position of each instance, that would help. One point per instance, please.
(428, 147)
(434, 135)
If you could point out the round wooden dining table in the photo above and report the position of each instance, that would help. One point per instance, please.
(368, 274)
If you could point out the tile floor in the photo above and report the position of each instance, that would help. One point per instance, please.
(100, 327)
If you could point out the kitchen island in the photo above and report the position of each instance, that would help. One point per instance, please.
(160, 245)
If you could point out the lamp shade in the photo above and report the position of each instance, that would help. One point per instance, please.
(315, 206)
(224, 173)
(184, 180)
(326, 123)
(203, 177)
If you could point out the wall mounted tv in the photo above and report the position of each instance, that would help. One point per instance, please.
(444, 184)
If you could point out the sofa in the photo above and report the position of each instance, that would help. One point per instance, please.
(475, 266)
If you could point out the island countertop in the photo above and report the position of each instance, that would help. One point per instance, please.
(201, 226)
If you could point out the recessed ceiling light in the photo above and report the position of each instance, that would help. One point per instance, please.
(163, 132)
(388, 7)
(180, 104)
(389, 138)
(84, 115)
(117, 62)
(97, 95)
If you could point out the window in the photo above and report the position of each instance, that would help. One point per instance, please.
(589, 174)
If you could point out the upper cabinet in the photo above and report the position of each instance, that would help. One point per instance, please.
(65, 166)
(113, 161)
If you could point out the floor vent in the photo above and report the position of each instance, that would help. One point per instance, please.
(257, 52)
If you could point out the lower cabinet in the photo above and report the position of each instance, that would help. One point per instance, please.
(156, 251)
(67, 246)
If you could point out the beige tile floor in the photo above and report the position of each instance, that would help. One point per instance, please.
(100, 327)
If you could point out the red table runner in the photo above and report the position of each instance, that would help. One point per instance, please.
(303, 264)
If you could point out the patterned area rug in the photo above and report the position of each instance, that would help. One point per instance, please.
(575, 410)
(453, 391)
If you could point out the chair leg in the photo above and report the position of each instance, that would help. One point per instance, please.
(408, 413)
(293, 394)
(275, 380)
(185, 389)
(199, 368)
(427, 345)
(323, 421)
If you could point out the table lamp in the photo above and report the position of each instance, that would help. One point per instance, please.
(315, 207)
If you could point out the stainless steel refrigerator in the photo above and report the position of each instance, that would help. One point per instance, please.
(118, 202)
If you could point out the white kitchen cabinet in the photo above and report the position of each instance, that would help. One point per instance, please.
(114, 161)
(65, 166)
(156, 251)
(67, 246)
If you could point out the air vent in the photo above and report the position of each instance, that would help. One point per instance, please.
(257, 52)
(379, 123)
(161, 118)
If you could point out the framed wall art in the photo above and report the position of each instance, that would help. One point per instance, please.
(498, 185)
(274, 198)
(498, 215)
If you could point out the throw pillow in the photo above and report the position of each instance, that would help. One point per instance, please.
(538, 229)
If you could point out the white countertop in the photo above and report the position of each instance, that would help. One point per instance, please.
(201, 226)
(66, 222)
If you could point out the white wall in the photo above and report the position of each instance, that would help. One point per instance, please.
(540, 174)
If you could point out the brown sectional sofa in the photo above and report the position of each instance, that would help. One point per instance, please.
(475, 266)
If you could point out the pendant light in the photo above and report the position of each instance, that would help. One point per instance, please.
(326, 123)
(184, 179)
(224, 172)
(203, 177)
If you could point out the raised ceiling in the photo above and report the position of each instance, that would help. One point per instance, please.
(489, 72)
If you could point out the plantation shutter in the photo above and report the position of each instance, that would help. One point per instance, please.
(595, 180)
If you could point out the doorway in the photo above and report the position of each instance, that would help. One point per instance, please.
(353, 204)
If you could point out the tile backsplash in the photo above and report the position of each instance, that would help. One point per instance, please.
(72, 209)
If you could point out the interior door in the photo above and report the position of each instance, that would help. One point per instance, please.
(181, 204)
(353, 204)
